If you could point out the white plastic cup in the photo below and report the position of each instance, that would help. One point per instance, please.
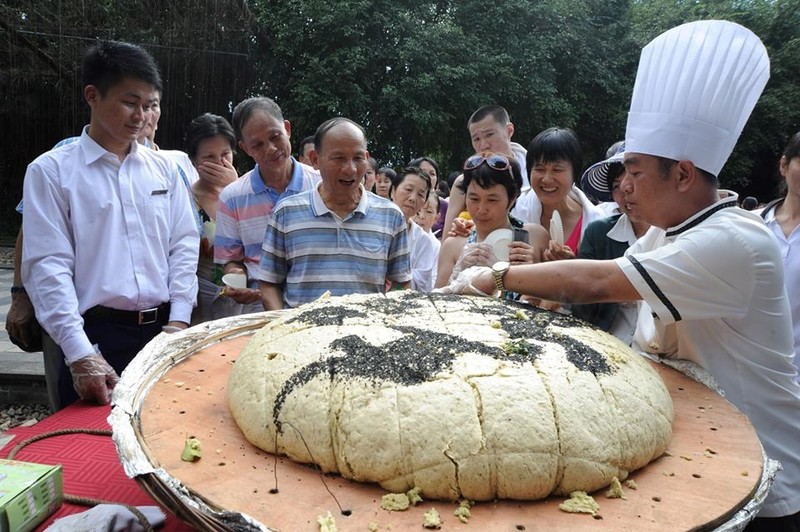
(235, 280)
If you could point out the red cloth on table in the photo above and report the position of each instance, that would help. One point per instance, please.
(90, 463)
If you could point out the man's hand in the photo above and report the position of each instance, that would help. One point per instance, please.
(243, 296)
(21, 324)
(93, 378)
(174, 326)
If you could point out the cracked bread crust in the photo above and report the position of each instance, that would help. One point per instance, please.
(462, 397)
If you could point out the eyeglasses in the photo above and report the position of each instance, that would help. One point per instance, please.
(494, 161)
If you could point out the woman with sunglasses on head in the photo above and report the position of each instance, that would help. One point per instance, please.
(409, 191)
(554, 164)
(491, 183)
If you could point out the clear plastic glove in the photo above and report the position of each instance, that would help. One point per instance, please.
(93, 378)
(474, 281)
(108, 518)
(473, 255)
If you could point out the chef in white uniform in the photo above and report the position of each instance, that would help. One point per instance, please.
(710, 272)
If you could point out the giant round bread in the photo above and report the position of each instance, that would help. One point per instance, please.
(461, 397)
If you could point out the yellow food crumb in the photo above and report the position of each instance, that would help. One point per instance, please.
(615, 490)
(462, 512)
(631, 484)
(373, 527)
(395, 502)
(413, 496)
(326, 523)
(521, 315)
(431, 519)
(687, 458)
(745, 474)
(179, 384)
(496, 324)
(579, 502)
(191, 450)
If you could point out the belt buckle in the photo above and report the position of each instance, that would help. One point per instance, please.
(148, 316)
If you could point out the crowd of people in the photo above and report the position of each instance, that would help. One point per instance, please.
(122, 240)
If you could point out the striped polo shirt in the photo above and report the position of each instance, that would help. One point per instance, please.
(245, 207)
(313, 250)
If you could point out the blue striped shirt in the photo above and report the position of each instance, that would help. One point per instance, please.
(244, 209)
(312, 250)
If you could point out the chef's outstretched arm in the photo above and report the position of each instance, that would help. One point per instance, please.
(574, 281)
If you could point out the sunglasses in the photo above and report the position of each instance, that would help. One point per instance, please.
(494, 161)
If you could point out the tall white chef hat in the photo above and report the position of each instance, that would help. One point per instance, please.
(695, 89)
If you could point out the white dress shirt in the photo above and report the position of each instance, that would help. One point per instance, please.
(790, 252)
(103, 232)
(424, 254)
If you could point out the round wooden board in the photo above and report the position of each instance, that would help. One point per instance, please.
(712, 467)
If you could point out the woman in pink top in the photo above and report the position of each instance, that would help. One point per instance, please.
(554, 162)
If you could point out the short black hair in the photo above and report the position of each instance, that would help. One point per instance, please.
(665, 164)
(556, 144)
(329, 124)
(419, 160)
(792, 148)
(307, 140)
(497, 112)
(749, 203)
(106, 63)
(207, 126)
(411, 170)
(245, 109)
(486, 176)
(388, 172)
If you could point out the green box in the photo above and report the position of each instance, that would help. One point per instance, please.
(28, 494)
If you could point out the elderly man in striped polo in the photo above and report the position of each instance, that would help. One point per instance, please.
(337, 237)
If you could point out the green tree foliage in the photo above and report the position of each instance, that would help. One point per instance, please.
(410, 71)
(752, 168)
(413, 72)
(200, 45)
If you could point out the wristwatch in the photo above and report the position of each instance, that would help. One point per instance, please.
(499, 270)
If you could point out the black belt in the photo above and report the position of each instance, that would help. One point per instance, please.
(129, 317)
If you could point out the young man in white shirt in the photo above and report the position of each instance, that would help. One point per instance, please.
(110, 248)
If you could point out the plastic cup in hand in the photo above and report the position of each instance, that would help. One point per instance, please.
(235, 280)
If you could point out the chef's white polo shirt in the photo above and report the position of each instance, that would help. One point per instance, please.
(718, 277)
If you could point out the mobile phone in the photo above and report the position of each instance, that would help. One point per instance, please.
(521, 235)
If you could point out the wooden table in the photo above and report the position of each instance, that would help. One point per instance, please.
(711, 470)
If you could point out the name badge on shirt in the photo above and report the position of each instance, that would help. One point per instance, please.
(159, 192)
